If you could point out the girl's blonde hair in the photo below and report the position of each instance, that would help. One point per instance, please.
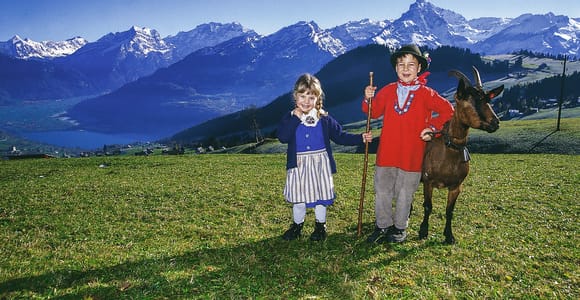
(308, 83)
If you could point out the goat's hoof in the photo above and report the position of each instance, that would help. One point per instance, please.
(450, 240)
(423, 231)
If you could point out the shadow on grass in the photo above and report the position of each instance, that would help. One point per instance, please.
(271, 267)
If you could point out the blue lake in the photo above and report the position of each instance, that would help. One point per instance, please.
(86, 140)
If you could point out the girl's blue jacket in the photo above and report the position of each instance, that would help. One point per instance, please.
(331, 130)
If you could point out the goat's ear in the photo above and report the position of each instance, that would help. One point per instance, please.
(461, 93)
(495, 92)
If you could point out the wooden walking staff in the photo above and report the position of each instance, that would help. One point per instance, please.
(364, 177)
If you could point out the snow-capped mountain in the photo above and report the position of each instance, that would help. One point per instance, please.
(537, 33)
(27, 49)
(204, 35)
(357, 33)
(426, 25)
(486, 27)
(298, 39)
(430, 26)
(119, 58)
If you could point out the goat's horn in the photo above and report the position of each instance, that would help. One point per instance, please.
(460, 76)
(477, 78)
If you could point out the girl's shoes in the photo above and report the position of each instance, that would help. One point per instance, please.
(319, 233)
(293, 232)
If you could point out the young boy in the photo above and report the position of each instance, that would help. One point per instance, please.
(407, 107)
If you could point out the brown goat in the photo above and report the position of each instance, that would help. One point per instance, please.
(446, 160)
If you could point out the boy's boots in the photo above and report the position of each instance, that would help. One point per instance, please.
(293, 232)
(319, 233)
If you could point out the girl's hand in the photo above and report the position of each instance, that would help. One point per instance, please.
(367, 137)
(370, 92)
(426, 134)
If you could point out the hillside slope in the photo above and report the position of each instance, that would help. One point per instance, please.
(344, 78)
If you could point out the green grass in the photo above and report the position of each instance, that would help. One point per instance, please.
(529, 136)
(209, 226)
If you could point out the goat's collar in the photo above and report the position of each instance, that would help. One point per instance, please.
(450, 144)
(449, 139)
(457, 147)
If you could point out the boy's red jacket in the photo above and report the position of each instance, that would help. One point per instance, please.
(400, 143)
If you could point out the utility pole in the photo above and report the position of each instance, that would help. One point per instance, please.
(561, 100)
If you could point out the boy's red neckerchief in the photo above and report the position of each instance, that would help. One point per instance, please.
(422, 80)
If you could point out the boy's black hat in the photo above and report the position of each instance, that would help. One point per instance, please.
(410, 49)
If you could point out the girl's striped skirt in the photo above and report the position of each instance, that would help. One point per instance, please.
(311, 182)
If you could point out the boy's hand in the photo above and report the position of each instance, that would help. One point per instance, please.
(370, 92)
(426, 134)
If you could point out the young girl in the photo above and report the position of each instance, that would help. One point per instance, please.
(308, 130)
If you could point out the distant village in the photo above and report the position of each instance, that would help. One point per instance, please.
(140, 149)
(544, 104)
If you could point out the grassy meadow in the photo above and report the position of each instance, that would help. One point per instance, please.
(532, 134)
(209, 226)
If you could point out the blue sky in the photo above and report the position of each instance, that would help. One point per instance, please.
(58, 20)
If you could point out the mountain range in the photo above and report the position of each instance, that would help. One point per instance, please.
(159, 86)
